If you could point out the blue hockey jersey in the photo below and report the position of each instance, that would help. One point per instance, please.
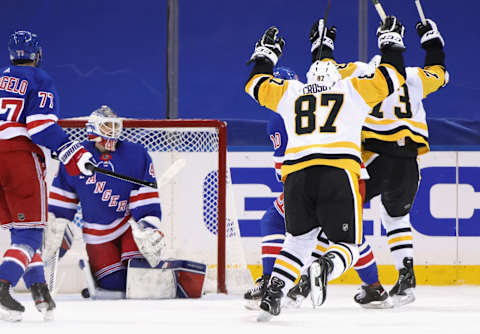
(278, 136)
(107, 203)
(28, 110)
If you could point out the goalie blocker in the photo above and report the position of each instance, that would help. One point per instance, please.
(169, 279)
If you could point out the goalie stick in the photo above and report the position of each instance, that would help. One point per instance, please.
(122, 177)
(380, 11)
(420, 12)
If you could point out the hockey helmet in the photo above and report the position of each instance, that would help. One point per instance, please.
(324, 73)
(24, 45)
(285, 73)
(104, 127)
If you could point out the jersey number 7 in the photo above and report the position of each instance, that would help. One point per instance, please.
(305, 108)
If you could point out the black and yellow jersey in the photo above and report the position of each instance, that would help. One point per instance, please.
(324, 123)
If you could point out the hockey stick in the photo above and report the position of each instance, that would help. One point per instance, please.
(380, 11)
(324, 27)
(93, 168)
(420, 12)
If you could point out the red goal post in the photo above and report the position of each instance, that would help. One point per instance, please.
(188, 138)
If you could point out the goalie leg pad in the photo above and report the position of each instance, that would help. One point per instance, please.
(169, 279)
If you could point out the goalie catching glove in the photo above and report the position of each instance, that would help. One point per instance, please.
(270, 46)
(390, 34)
(149, 239)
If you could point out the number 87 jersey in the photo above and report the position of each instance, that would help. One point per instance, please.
(324, 123)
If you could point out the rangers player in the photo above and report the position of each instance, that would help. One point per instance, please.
(28, 124)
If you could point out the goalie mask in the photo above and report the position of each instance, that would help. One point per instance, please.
(104, 127)
(324, 73)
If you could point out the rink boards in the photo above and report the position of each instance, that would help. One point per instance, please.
(445, 217)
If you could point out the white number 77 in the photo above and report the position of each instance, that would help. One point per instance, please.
(44, 96)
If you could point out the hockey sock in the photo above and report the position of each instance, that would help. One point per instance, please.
(34, 272)
(272, 228)
(115, 281)
(344, 256)
(366, 265)
(296, 250)
(399, 235)
(15, 261)
(24, 243)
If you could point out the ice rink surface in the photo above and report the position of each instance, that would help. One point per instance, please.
(452, 310)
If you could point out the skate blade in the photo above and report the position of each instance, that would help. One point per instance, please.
(399, 300)
(264, 316)
(316, 292)
(11, 316)
(293, 303)
(252, 305)
(387, 303)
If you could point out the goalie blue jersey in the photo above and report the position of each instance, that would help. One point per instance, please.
(107, 203)
(28, 111)
(278, 136)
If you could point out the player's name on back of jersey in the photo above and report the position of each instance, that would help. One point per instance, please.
(13, 85)
(314, 88)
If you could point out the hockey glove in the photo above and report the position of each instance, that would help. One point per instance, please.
(429, 35)
(390, 34)
(149, 239)
(75, 158)
(328, 37)
(270, 46)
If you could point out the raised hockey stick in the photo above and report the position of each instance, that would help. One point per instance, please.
(173, 170)
(380, 11)
(420, 12)
(324, 26)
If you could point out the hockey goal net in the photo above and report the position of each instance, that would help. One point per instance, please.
(197, 210)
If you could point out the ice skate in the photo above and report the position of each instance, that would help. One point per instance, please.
(373, 296)
(255, 294)
(319, 271)
(13, 309)
(43, 300)
(403, 291)
(298, 293)
(270, 304)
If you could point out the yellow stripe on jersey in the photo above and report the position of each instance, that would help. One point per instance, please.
(374, 89)
(342, 144)
(345, 69)
(321, 248)
(433, 77)
(348, 164)
(366, 134)
(418, 125)
(268, 91)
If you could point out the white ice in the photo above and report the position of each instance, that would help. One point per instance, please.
(452, 310)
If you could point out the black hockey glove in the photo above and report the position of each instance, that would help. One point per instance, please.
(270, 46)
(328, 38)
(429, 35)
(390, 34)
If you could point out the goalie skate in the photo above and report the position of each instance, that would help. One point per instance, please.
(373, 296)
(403, 292)
(12, 310)
(43, 300)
